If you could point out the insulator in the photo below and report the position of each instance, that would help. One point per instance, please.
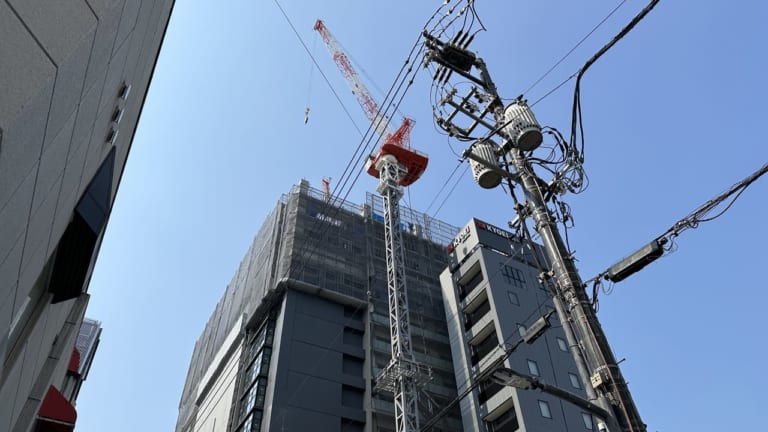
(522, 127)
(485, 176)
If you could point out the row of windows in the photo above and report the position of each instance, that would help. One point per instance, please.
(533, 369)
(546, 412)
(253, 381)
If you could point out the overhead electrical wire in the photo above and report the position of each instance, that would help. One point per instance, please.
(578, 44)
(369, 140)
(442, 188)
(309, 249)
(458, 180)
(576, 117)
(325, 78)
(691, 221)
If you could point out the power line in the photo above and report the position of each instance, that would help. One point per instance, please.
(691, 221)
(325, 78)
(310, 248)
(442, 188)
(458, 179)
(554, 66)
(576, 111)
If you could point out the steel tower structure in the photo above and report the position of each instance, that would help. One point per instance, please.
(395, 165)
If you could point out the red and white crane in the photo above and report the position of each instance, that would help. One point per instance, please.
(395, 165)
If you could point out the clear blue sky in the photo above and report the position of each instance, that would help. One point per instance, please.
(672, 117)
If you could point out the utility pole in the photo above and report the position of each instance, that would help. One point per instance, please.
(520, 133)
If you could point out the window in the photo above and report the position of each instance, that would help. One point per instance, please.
(562, 345)
(124, 91)
(111, 136)
(254, 369)
(513, 298)
(544, 408)
(506, 422)
(574, 380)
(351, 397)
(467, 284)
(473, 317)
(483, 348)
(488, 388)
(589, 422)
(117, 115)
(352, 365)
(533, 368)
(521, 329)
(353, 337)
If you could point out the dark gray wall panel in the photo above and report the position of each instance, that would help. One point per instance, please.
(86, 115)
(65, 29)
(52, 164)
(13, 218)
(108, 14)
(25, 92)
(128, 20)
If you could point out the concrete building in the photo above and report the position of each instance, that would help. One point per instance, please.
(492, 294)
(302, 330)
(73, 78)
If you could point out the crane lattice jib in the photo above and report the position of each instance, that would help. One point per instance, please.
(380, 122)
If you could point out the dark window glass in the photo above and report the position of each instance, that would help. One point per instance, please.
(476, 315)
(75, 249)
(352, 397)
(484, 347)
(488, 388)
(506, 422)
(466, 287)
(353, 337)
(352, 365)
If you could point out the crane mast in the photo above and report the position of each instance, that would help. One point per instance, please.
(395, 165)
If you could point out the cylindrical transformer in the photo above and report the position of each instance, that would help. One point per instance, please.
(485, 175)
(522, 127)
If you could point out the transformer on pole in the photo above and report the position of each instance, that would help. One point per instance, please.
(521, 134)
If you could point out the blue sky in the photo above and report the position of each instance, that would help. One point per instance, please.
(671, 115)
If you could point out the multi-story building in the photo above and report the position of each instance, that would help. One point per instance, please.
(492, 294)
(302, 331)
(73, 78)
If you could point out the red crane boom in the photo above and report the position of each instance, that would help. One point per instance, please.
(396, 143)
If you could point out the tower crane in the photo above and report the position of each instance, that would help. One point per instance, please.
(396, 165)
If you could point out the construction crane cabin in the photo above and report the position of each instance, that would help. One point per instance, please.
(396, 165)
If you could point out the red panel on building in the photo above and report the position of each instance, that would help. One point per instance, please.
(74, 362)
(56, 413)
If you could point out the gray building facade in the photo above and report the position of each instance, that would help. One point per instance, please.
(492, 294)
(302, 330)
(73, 78)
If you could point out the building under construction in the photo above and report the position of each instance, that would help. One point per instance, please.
(302, 331)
